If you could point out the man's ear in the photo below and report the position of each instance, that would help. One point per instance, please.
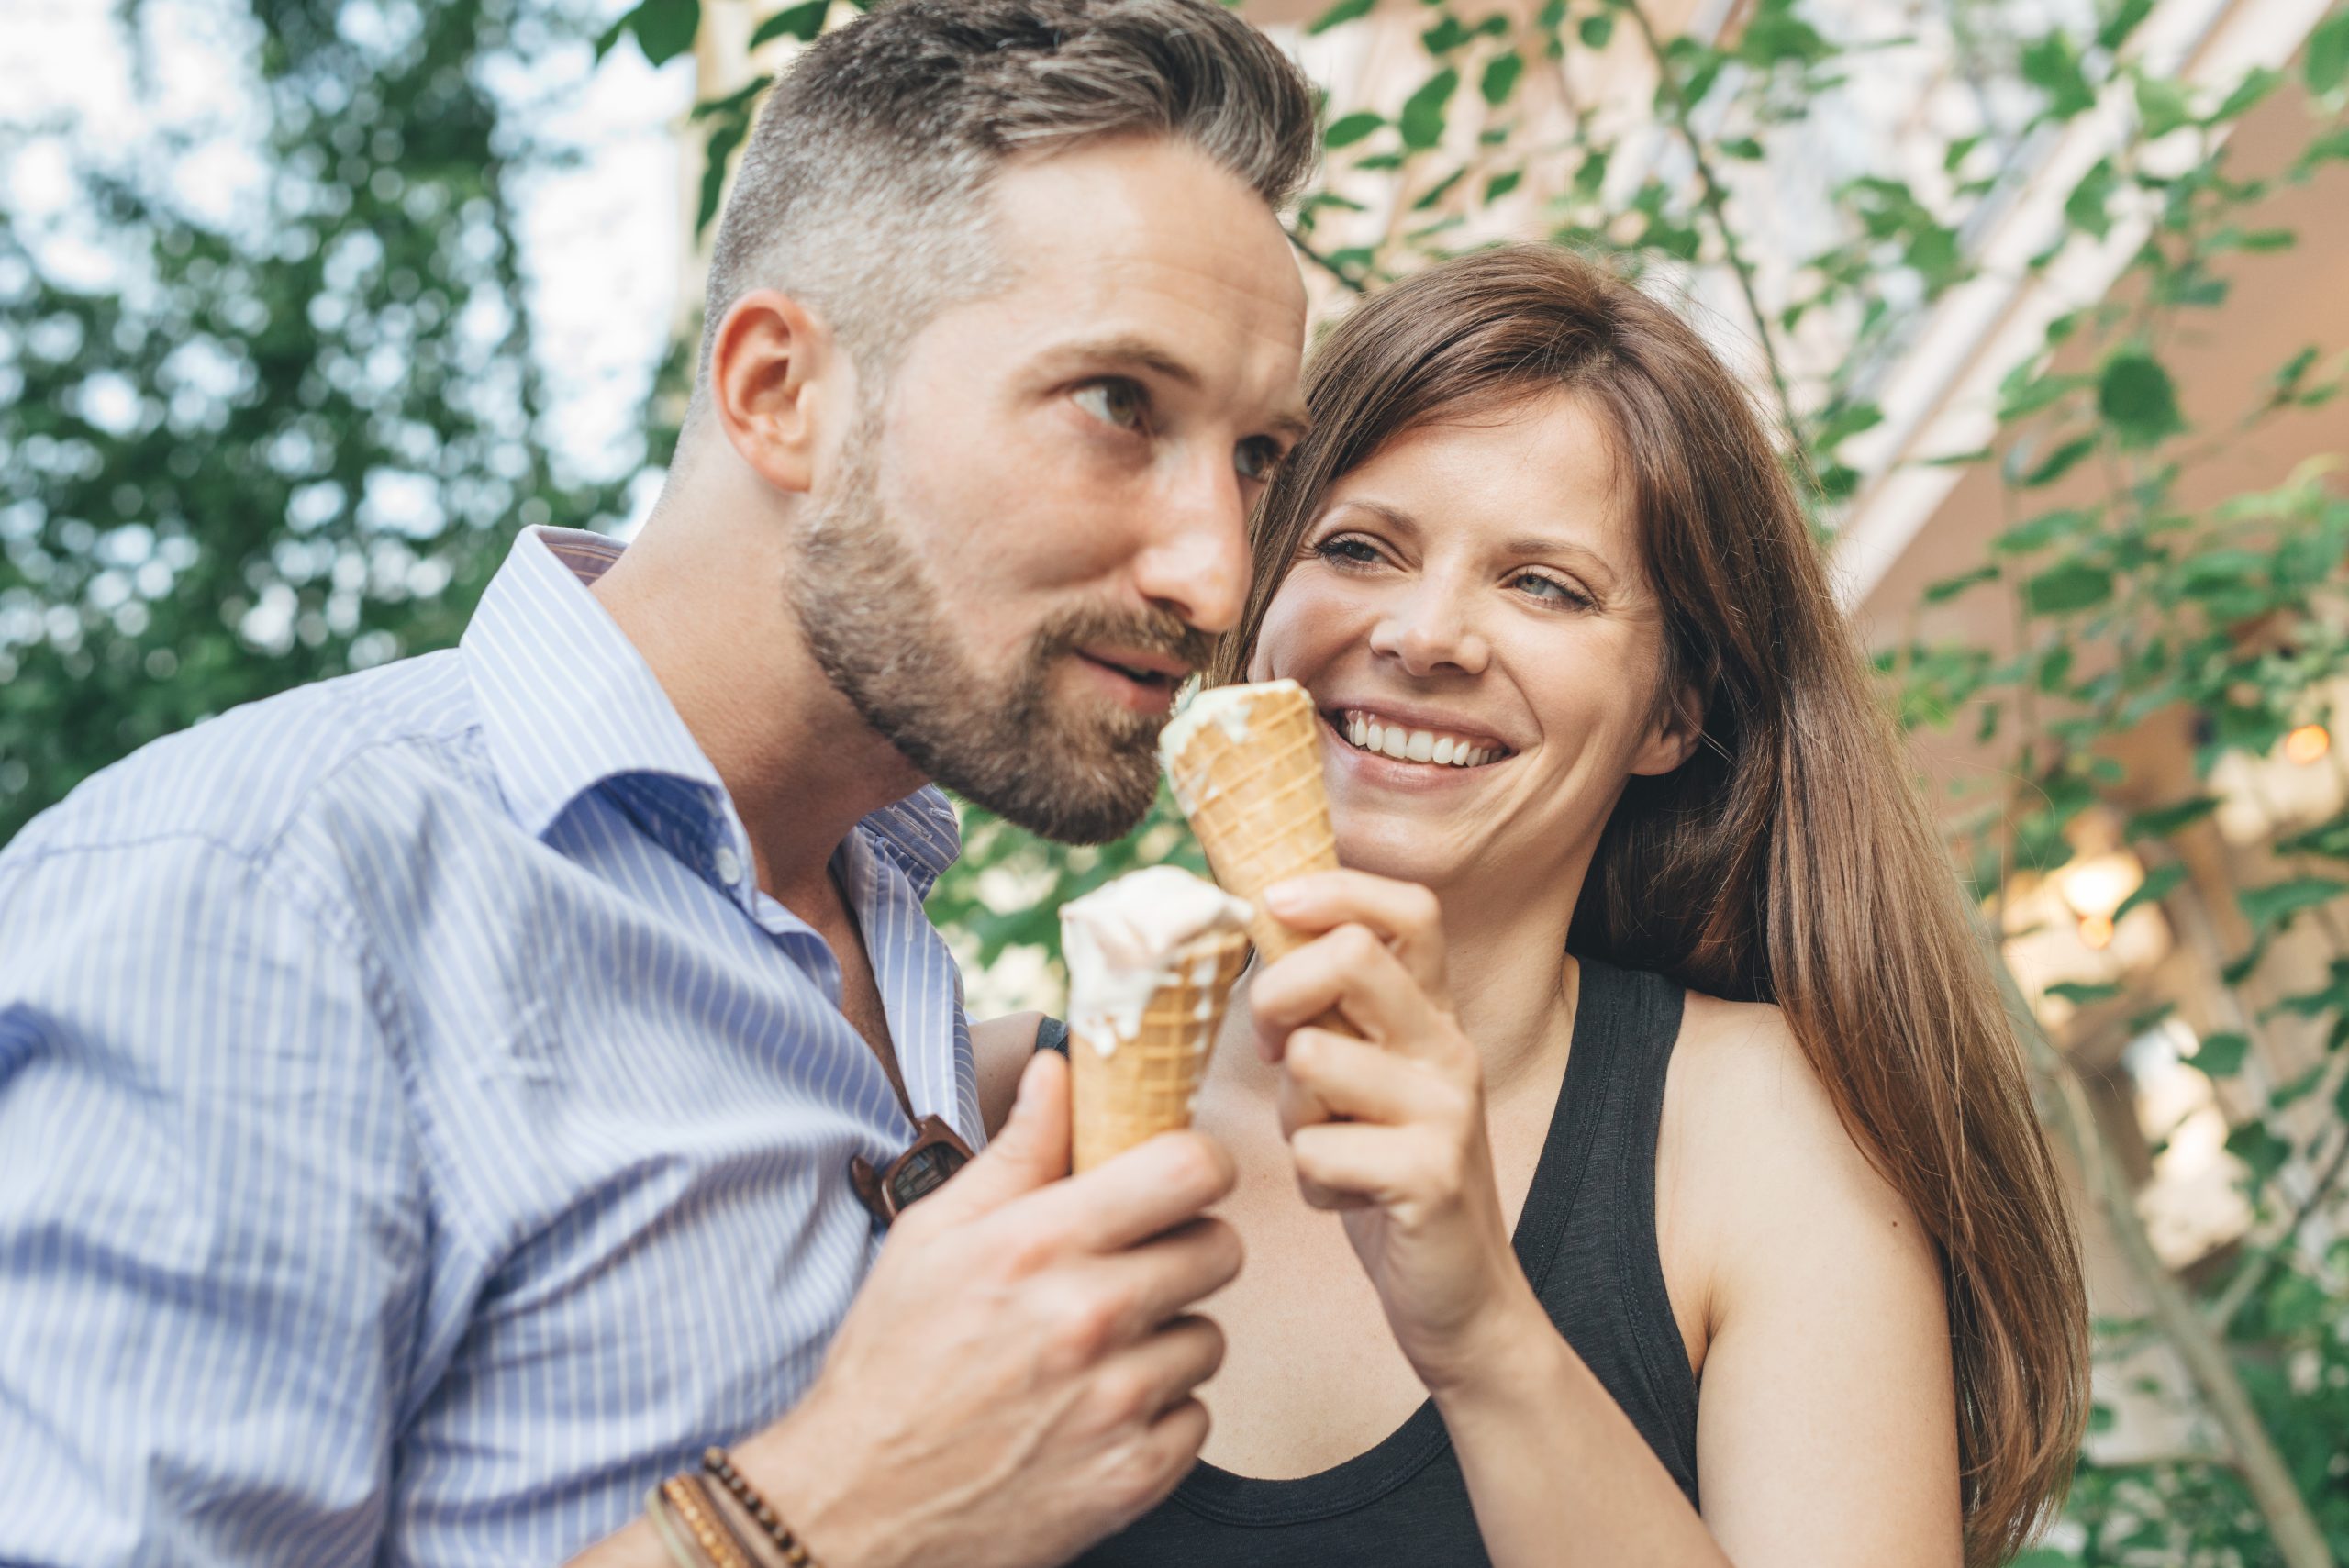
(771, 370)
(1678, 725)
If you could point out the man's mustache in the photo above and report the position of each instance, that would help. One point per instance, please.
(1161, 632)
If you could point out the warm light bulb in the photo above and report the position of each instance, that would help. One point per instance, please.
(2099, 885)
(2307, 743)
(2097, 930)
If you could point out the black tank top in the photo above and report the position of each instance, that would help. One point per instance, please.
(1587, 1239)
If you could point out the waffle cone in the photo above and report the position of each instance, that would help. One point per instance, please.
(1141, 1086)
(1257, 804)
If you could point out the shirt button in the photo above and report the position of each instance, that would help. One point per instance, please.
(727, 864)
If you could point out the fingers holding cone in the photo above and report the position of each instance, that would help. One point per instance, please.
(1245, 764)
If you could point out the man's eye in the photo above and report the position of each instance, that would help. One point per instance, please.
(1257, 456)
(1119, 404)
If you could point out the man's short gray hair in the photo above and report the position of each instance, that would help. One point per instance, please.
(862, 191)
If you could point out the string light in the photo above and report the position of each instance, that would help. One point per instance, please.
(2307, 744)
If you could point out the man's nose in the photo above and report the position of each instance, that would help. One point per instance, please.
(1429, 631)
(1197, 560)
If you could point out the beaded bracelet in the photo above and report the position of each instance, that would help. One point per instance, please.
(721, 1469)
(678, 1546)
(685, 1501)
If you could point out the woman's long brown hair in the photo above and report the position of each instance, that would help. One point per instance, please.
(1790, 860)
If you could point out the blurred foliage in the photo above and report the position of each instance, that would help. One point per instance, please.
(278, 445)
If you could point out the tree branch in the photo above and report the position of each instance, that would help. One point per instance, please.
(1716, 204)
(2262, 1264)
(1327, 265)
(2299, 1542)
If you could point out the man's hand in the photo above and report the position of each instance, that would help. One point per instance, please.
(1015, 1381)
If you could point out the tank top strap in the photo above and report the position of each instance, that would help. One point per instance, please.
(1602, 1279)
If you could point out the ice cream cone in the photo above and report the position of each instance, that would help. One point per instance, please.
(1246, 766)
(1130, 1088)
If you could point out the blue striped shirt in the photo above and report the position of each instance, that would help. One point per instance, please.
(417, 1133)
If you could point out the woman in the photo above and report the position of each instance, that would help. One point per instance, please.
(1729, 1238)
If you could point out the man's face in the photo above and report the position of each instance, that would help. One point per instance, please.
(1033, 538)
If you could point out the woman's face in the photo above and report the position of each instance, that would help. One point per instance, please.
(1473, 598)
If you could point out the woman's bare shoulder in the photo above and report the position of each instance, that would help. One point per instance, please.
(1766, 1168)
(999, 1052)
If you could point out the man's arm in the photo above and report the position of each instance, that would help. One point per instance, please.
(211, 1234)
(1016, 1380)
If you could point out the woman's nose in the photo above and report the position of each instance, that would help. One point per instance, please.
(1429, 634)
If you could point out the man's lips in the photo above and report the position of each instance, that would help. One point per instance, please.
(1143, 690)
(1140, 665)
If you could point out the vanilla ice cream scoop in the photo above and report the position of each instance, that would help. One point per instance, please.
(1230, 709)
(1124, 942)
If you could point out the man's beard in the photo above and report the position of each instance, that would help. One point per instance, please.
(1081, 774)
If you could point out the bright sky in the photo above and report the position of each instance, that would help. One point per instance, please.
(603, 241)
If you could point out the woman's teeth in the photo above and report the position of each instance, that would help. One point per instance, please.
(1372, 734)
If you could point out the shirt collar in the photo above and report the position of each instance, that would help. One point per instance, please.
(567, 703)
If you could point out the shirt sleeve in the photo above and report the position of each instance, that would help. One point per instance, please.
(212, 1235)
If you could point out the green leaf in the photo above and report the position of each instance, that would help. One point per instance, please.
(803, 21)
(2075, 586)
(1744, 146)
(2051, 65)
(2162, 105)
(2164, 820)
(1343, 12)
(2261, 1150)
(735, 105)
(1445, 36)
(2326, 64)
(2123, 22)
(1500, 77)
(2277, 903)
(1352, 129)
(2159, 883)
(1502, 185)
(1378, 160)
(2057, 463)
(1438, 190)
(2220, 1055)
(663, 29)
(2134, 391)
(2255, 85)
(1597, 31)
(722, 143)
(2293, 1092)
(2081, 996)
(1949, 588)
(2086, 207)
(2020, 394)
(2039, 533)
(1423, 121)
(2242, 969)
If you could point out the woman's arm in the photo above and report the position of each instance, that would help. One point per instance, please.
(1827, 1432)
(1826, 1423)
(999, 1052)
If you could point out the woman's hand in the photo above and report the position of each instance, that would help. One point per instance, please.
(1410, 1163)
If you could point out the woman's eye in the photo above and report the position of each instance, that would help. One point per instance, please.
(1117, 403)
(1256, 458)
(1353, 552)
(1550, 588)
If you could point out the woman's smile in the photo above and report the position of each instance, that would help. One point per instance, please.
(1398, 736)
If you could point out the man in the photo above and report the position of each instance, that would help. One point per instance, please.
(428, 1099)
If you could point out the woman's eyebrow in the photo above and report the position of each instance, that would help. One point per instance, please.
(1544, 545)
(1394, 515)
